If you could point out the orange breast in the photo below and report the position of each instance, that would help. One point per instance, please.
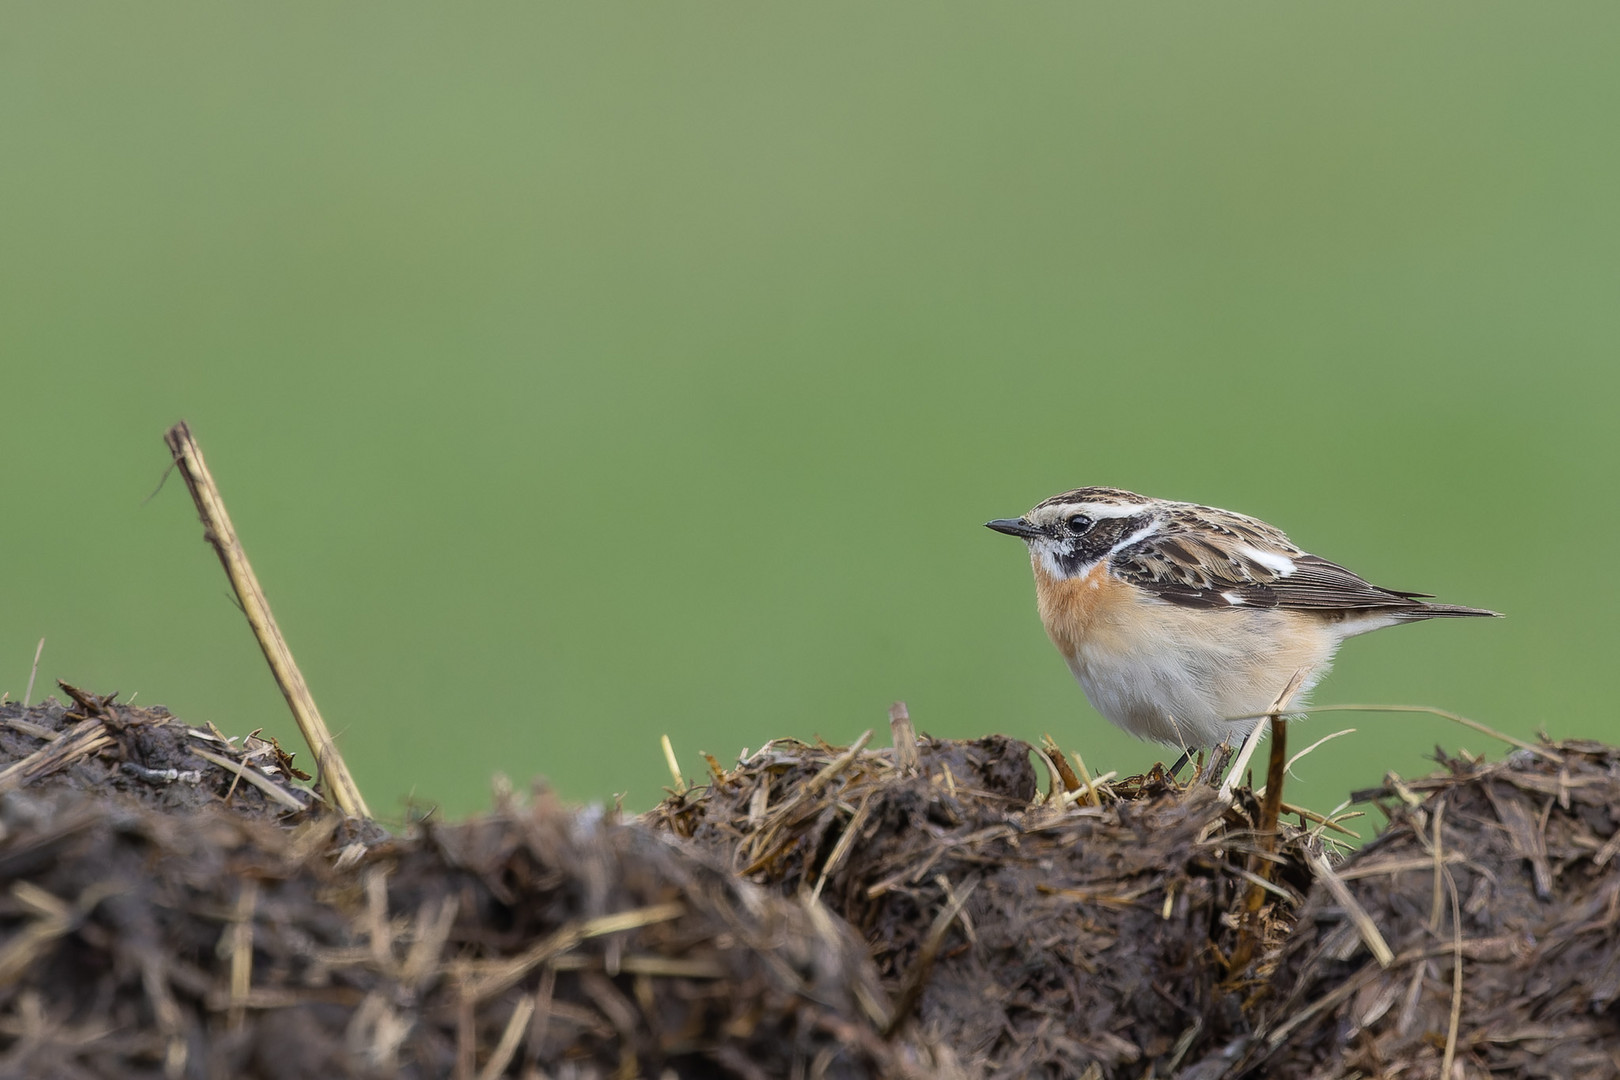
(1076, 608)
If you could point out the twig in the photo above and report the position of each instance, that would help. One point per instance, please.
(764, 841)
(1456, 977)
(904, 735)
(263, 783)
(1270, 809)
(1054, 782)
(1444, 714)
(1325, 822)
(1060, 762)
(78, 741)
(1085, 775)
(488, 979)
(45, 734)
(1235, 776)
(837, 764)
(1439, 868)
(28, 695)
(1352, 908)
(1089, 796)
(841, 850)
(674, 766)
(502, 1057)
(917, 977)
(241, 937)
(1326, 738)
(219, 532)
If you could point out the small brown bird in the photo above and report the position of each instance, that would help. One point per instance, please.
(1183, 622)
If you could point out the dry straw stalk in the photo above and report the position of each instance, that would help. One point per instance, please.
(219, 532)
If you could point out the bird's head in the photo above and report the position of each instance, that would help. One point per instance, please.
(1069, 534)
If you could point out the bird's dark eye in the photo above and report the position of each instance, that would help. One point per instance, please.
(1077, 524)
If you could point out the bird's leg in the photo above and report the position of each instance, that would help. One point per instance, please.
(1219, 758)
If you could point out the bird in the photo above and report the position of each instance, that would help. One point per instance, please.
(1183, 623)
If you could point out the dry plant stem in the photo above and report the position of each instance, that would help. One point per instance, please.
(242, 770)
(1071, 782)
(917, 977)
(218, 531)
(1317, 819)
(674, 766)
(904, 734)
(1085, 775)
(1363, 922)
(1456, 978)
(1052, 781)
(1271, 808)
(1278, 706)
(1261, 864)
(28, 695)
(1444, 714)
(1240, 765)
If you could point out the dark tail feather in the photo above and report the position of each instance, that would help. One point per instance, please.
(1446, 611)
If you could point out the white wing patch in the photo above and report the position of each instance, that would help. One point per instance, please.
(1232, 598)
(1275, 561)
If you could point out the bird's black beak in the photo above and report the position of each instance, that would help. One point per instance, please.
(1014, 527)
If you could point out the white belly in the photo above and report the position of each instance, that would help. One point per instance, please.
(1190, 677)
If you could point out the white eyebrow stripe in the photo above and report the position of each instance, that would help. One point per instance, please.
(1109, 510)
(1275, 561)
(1139, 535)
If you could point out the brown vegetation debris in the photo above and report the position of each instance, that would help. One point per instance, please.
(97, 746)
(1035, 939)
(141, 936)
(172, 905)
(1498, 890)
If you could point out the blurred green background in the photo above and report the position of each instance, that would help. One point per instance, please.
(577, 374)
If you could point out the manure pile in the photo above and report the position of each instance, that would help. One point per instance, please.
(172, 904)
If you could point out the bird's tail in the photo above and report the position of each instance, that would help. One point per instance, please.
(1445, 611)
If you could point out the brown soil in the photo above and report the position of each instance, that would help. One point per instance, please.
(815, 911)
(162, 931)
(1498, 891)
(1091, 938)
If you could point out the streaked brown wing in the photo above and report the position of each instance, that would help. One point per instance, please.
(1196, 570)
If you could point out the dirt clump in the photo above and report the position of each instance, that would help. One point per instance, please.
(1496, 888)
(95, 745)
(176, 904)
(1035, 936)
(149, 935)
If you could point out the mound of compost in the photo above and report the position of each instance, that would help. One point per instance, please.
(96, 746)
(171, 934)
(1035, 939)
(176, 904)
(1496, 890)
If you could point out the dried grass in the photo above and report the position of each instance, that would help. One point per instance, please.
(174, 904)
(1495, 888)
(143, 935)
(1080, 932)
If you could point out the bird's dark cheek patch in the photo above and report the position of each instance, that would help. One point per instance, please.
(1085, 550)
(1098, 542)
(1072, 562)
